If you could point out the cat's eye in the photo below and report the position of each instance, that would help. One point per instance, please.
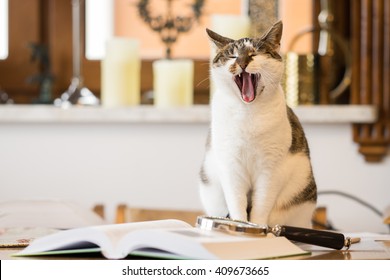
(232, 56)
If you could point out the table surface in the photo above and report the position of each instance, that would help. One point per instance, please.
(366, 250)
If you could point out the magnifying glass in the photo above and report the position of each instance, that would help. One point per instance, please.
(322, 238)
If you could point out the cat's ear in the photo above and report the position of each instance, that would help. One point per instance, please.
(274, 35)
(217, 39)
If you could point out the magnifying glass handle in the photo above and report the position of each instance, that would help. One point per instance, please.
(322, 238)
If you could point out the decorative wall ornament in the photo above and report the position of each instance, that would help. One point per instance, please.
(170, 26)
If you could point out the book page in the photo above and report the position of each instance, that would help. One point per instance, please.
(105, 236)
(194, 243)
(117, 231)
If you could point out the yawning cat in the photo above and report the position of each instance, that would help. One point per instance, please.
(257, 163)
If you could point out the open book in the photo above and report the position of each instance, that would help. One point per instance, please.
(170, 239)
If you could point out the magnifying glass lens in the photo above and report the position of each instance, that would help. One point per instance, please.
(230, 226)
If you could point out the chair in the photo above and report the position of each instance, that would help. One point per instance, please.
(125, 214)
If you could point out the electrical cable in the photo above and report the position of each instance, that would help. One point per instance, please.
(352, 197)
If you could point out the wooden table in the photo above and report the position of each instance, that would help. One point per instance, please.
(366, 250)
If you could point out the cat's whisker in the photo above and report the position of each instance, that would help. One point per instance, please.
(269, 78)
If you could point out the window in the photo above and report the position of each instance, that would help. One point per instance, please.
(98, 26)
(3, 29)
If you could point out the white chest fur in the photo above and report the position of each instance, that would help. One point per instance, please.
(255, 134)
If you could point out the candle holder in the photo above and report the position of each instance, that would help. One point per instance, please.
(76, 94)
(4, 99)
(44, 78)
(170, 26)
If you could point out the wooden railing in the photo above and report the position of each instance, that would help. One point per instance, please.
(371, 73)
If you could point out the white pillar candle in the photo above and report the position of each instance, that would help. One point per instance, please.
(232, 26)
(173, 82)
(120, 73)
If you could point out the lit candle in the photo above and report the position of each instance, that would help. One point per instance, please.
(120, 71)
(173, 82)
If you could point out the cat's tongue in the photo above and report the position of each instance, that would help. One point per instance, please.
(246, 84)
(248, 89)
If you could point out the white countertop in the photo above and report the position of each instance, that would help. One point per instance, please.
(320, 114)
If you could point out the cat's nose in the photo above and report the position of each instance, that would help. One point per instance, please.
(243, 62)
(243, 65)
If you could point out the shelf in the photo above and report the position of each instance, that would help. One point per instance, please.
(321, 114)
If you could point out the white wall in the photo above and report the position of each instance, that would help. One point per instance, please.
(141, 165)
(338, 166)
(154, 165)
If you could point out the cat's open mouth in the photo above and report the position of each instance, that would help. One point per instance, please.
(247, 83)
